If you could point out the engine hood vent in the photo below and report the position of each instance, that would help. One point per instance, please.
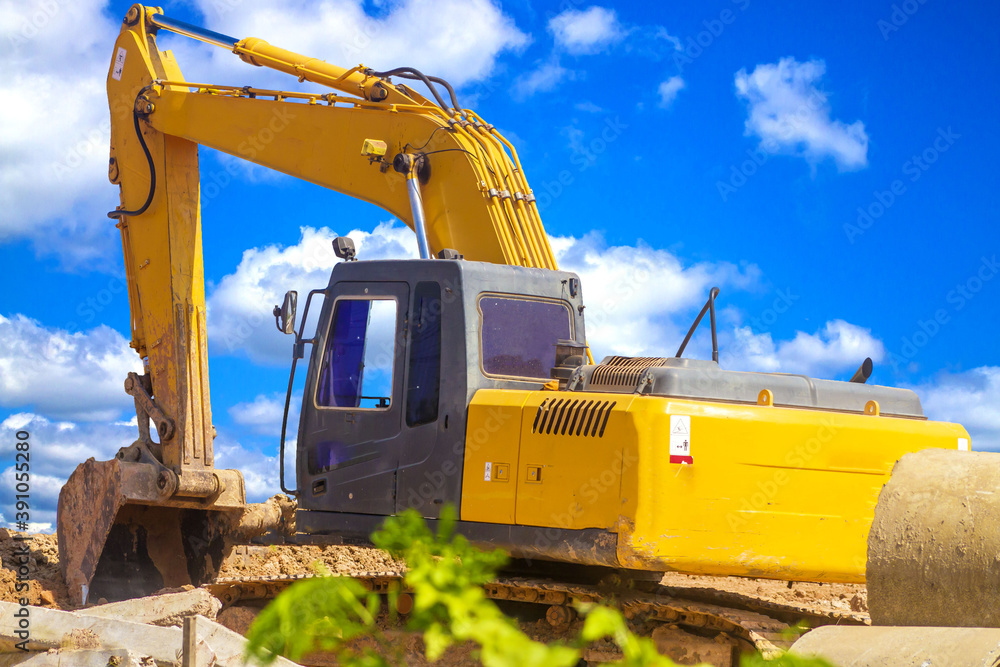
(572, 416)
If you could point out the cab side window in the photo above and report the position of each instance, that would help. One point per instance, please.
(358, 359)
(424, 365)
(518, 335)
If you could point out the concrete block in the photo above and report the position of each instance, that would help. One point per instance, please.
(53, 629)
(882, 646)
(163, 610)
(79, 658)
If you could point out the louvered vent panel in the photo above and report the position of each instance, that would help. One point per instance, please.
(624, 371)
(572, 416)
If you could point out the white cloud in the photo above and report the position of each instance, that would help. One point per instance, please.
(640, 301)
(60, 447)
(458, 40)
(971, 398)
(239, 308)
(661, 33)
(54, 130)
(263, 414)
(622, 316)
(668, 90)
(76, 376)
(54, 126)
(588, 106)
(545, 77)
(639, 298)
(839, 347)
(588, 31)
(57, 449)
(789, 113)
(260, 470)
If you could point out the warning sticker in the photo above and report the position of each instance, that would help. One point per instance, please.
(116, 73)
(680, 439)
(489, 471)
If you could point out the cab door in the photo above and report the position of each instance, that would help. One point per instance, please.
(353, 408)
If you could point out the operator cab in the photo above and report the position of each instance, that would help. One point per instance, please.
(401, 347)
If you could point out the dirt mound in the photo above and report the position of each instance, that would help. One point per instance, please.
(818, 597)
(260, 561)
(46, 587)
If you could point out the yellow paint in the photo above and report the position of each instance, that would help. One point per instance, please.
(773, 492)
(578, 474)
(492, 437)
(163, 257)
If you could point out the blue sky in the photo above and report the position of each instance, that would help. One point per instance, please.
(830, 166)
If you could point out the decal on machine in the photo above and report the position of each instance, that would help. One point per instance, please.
(680, 439)
(116, 73)
(489, 471)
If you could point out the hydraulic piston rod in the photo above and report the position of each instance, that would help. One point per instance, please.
(192, 31)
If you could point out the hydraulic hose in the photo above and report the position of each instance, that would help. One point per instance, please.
(415, 74)
(119, 213)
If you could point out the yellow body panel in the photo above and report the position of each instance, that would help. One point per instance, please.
(770, 492)
(569, 475)
(489, 494)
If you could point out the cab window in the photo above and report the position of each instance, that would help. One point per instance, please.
(424, 384)
(518, 335)
(358, 360)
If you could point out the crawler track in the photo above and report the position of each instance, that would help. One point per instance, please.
(742, 620)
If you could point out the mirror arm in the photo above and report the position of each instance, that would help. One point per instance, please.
(277, 318)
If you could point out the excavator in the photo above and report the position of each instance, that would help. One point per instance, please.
(464, 378)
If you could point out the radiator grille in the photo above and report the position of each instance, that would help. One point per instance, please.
(624, 371)
(572, 416)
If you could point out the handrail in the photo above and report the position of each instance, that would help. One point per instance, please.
(709, 306)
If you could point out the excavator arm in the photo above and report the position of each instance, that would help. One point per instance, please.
(441, 169)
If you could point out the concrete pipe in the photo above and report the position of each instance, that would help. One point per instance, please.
(934, 546)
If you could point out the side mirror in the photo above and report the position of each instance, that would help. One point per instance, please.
(284, 315)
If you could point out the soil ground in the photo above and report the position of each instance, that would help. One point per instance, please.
(46, 587)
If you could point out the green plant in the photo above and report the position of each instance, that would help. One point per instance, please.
(446, 575)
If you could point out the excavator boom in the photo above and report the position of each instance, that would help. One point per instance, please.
(439, 168)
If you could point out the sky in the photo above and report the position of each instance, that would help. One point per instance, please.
(829, 166)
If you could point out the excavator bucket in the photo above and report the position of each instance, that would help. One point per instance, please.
(124, 533)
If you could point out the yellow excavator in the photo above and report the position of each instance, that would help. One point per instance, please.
(464, 377)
